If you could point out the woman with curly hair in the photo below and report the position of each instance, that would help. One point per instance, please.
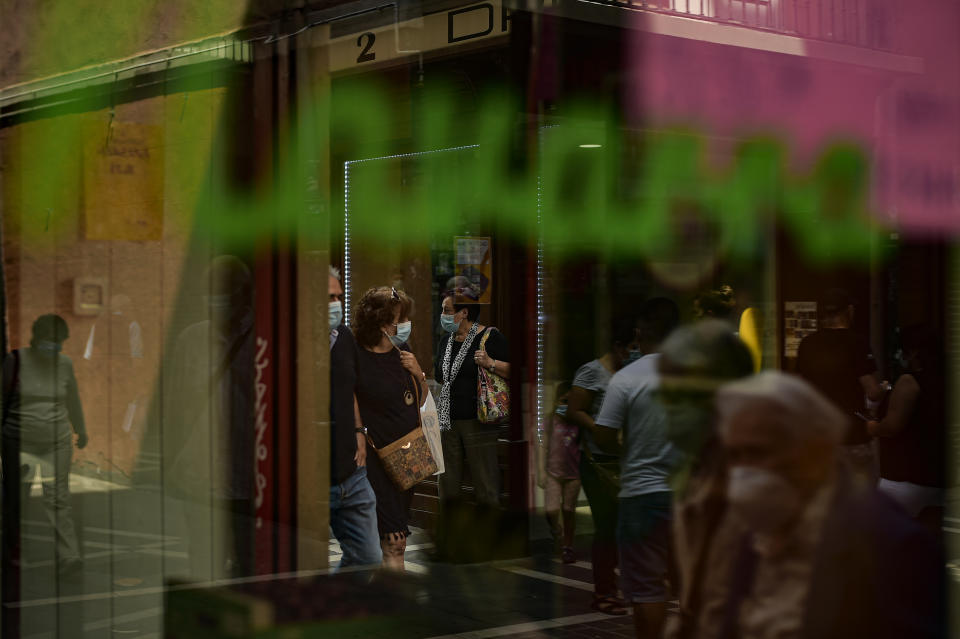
(389, 384)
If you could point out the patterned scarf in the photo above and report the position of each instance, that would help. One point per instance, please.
(450, 374)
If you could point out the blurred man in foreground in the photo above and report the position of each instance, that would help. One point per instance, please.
(823, 556)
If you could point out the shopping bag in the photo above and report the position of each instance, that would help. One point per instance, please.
(431, 429)
(493, 393)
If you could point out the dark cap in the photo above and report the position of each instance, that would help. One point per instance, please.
(835, 300)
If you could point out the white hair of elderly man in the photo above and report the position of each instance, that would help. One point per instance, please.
(795, 407)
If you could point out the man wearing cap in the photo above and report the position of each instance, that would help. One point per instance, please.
(695, 361)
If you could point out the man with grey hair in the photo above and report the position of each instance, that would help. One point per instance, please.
(353, 505)
(822, 556)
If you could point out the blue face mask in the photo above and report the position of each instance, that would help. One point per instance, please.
(48, 347)
(447, 323)
(632, 356)
(336, 314)
(403, 333)
(219, 302)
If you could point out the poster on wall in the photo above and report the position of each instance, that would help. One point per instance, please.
(472, 279)
(123, 181)
(799, 320)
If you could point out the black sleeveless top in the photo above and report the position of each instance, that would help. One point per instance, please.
(916, 453)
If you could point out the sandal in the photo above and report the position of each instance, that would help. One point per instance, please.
(609, 606)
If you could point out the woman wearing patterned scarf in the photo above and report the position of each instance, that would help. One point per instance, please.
(464, 437)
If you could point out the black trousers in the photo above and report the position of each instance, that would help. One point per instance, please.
(604, 507)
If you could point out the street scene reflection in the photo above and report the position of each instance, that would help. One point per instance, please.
(448, 318)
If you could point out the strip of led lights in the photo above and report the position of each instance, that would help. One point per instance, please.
(541, 307)
(541, 314)
(347, 231)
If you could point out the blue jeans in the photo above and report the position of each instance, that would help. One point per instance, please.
(353, 519)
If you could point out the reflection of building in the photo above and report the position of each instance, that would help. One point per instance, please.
(124, 172)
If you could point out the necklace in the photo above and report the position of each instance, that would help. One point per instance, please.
(386, 364)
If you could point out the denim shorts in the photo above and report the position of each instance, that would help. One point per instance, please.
(644, 539)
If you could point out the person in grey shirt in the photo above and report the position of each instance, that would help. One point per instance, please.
(647, 461)
(42, 402)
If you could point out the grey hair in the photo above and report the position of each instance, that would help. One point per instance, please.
(797, 409)
(335, 273)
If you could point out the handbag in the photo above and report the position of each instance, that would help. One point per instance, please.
(607, 470)
(407, 460)
(493, 393)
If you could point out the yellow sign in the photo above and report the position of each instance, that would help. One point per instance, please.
(123, 181)
(472, 281)
(461, 25)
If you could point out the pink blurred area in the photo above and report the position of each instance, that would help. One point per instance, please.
(883, 74)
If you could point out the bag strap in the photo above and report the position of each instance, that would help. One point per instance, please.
(486, 334)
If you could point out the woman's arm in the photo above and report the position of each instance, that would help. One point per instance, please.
(579, 401)
(902, 402)
(496, 366)
(360, 457)
(495, 354)
(409, 362)
(424, 389)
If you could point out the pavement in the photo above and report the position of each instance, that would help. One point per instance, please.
(122, 590)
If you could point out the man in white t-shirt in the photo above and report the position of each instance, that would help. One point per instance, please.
(647, 460)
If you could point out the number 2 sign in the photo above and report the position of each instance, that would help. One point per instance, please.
(428, 33)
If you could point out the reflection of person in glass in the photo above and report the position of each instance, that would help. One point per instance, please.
(211, 398)
(44, 402)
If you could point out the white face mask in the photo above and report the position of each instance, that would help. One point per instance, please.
(335, 314)
(403, 333)
(448, 324)
(761, 499)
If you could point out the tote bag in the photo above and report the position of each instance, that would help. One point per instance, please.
(430, 421)
(493, 393)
